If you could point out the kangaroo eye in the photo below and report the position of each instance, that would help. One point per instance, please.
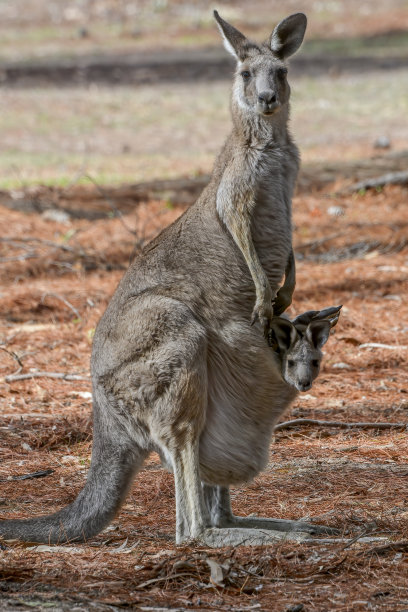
(315, 363)
(282, 72)
(291, 363)
(245, 75)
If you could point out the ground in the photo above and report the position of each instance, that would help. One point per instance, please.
(59, 278)
(71, 215)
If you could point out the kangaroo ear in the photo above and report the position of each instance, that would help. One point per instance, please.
(234, 42)
(318, 332)
(303, 320)
(288, 35)
(283, 333)
(332, 314)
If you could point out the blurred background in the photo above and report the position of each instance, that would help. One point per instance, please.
(134, 90)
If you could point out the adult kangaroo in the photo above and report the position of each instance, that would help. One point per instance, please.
(176, 365)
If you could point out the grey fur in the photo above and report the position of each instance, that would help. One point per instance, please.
(176, 365)
(299, 344)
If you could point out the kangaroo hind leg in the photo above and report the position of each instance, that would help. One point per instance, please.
(178, 372)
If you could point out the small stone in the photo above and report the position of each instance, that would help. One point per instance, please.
(382, 142)
(83, 394)
(341, 366)
(69, 459)
(391, 296)
(336, 211)
(54, 214)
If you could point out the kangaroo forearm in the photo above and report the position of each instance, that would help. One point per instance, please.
(235, 206)
(244, 241)
(239, 226)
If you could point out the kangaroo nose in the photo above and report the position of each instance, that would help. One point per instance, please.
(267, 97)
(305, 384)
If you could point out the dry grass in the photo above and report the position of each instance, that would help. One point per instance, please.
(128, 134)
(354, 480)
(36, 30)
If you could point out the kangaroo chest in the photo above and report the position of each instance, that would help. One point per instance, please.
(272, 215)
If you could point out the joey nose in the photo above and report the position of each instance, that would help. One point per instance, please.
(267, 97)
(305, 384)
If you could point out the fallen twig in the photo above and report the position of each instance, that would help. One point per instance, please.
(356, 539)
(111, 203)
(163, 579)
(390, 347)
(19, 257)
(40, 474)
(314, 243)
(50, 243)
(401, 546)
(141, 235)
(61, 375)
(391, 178)
(14, 356)
(62, 299)
(28, 415)
(339, 424)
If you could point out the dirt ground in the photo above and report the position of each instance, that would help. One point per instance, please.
(74, 145)
(56, 279)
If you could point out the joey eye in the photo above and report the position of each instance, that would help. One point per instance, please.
(315, 363)
(291, 363)
(246, 75)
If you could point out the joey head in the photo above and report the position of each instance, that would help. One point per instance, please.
(299, 343)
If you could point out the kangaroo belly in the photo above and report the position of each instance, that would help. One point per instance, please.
(246, 396)
(232, 448)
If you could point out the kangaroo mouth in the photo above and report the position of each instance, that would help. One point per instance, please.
(268, 109)
(303, 388)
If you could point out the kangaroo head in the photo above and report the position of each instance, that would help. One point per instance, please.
(299, 342)
(260, 84)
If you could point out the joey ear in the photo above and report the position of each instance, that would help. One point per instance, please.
(332, 314)
(318, 332)
(283, 333)
(234, 42)
(303, 320)
(288, 35)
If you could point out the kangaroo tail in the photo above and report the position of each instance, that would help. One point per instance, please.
(115, 461)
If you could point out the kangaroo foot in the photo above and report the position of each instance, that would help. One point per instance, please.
(281, 525)
(236, 536)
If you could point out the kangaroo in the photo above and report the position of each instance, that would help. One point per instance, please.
(299, 342)
(176, 365)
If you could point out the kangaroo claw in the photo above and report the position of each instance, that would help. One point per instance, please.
(281, 303)
(264, 316)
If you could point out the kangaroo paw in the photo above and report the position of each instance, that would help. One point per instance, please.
(263, 313)
(282, 302)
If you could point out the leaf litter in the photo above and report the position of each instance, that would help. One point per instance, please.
(353, 479)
